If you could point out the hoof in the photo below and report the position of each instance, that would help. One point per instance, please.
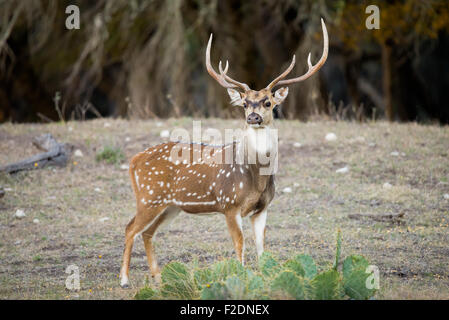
(124, 282)
(157, 278)
(124, 285)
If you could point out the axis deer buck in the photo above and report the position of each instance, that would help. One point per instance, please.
(206, 183)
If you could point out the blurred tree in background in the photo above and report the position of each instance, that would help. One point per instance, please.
(144, 59)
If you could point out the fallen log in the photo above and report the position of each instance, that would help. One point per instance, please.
(56, 154)
(393, 217)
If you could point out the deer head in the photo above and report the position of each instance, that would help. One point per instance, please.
(259, 104)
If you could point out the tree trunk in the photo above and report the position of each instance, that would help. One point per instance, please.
(386, 81)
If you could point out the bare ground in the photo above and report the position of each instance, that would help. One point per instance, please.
(413, 256)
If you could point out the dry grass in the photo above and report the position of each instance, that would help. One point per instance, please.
(412, 256)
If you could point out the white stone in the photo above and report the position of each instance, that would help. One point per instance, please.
(331, 136)
(296, 184)
(297, 145)
(78, 153)
(107, 124)
(394, 154)
(165, 134)
(36, 221)
(104, 219)
(159, 124)
(446, 196)
(70, 129)
(387, 185)
(124, 167)
(342, 170)
(97, 190)
(127, 139)
(19, 214)
(287, 190)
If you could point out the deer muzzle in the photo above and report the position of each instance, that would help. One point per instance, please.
(254, 118)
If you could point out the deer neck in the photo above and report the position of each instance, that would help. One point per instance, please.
(259, 147)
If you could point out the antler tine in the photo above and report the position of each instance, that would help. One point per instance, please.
(211, 70)
(312, 68)
(283, 74)
(229, 82)
(223, 73)
(244, 86)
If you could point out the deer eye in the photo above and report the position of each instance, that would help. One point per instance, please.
(244, 105)
(267, 104)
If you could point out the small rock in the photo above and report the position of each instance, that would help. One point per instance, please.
(331, 136)
(19, 214)
(78, 153)
(8, 189)
(296, 184)
(127, 139)
(159, 124)
(342, 170)
(394, 154)
(287, 190)
(70, 129)
(165, 134)
(297, 145)
(104, 219)
(97, 190)
(124, 167)
(107, 125)
(371, 144)
(36, 221)
(387, 185)
(446, 196)
(18, 242)
(360, 139)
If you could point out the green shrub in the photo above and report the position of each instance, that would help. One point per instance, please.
(326, 286)
(111, 155)
(146, 293)
(309, 266)
(228, 267)
(355, 276)
(177, 282)
(288, 282)
(297, 278)
(268, 265)
(215, 291)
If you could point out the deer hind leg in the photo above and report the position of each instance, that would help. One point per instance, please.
(141, 222)
(258, 222)
(164, 219)
(234, 222)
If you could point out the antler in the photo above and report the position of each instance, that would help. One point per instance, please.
(223, 79)
(312, 69)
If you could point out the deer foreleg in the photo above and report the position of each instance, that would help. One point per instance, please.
(258, 222)
(234, 222)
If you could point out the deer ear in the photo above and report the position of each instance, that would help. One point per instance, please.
(236, 97)
(280, 95)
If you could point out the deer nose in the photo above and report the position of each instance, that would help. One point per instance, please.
(254, 118)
